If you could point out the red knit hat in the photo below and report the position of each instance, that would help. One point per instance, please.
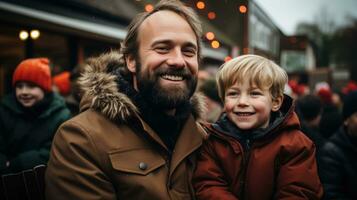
(325, 95)
(34, 70)
(63, 83)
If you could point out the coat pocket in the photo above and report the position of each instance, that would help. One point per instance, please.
(138, 161)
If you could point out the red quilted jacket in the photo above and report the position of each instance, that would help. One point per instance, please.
(277, 163)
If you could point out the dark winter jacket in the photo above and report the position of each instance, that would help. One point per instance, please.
(338, 169)
(315, 136)
(26, 134)
(273, 163)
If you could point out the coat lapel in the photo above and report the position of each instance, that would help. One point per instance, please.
(152, 133)
(189, 140)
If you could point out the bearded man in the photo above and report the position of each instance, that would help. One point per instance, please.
(138, 132)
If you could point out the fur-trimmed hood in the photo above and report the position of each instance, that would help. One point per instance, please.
(99, 89)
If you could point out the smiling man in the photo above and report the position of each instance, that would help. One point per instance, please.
(137, 134)
(167, 61)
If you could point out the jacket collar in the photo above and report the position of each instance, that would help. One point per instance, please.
(99, 88)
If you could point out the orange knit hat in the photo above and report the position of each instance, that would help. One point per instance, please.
(63, 83)
(34, 70)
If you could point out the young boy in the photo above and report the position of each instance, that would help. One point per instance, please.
(29, 117)
(255, 150)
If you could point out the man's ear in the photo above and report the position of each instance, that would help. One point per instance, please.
(130, 63)
(277, 103)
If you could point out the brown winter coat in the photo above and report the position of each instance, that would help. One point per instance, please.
(278, 164)
(97, 155)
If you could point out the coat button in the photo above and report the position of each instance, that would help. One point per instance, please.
(143, 166)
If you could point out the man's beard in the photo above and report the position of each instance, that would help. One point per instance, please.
(162, 97)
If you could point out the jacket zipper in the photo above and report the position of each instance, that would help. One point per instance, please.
(246, 158)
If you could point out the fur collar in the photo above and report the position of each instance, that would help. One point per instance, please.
(100, 92)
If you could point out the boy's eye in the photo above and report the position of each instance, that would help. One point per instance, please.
(232, 93)
(255, 93)
(23, 84)
(31, 85)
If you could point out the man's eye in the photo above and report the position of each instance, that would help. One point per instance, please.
(162, 49)
(189, 52)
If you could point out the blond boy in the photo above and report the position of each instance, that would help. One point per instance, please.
(256, 150)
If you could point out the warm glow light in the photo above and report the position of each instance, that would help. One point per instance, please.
(200, 5)
(35, 34)
(211, 15)
(210, 36)
(23, 35)
(242, 9)
(215, 44)
(227, 58)
(149, 8)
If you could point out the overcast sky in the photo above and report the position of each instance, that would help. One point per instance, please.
(288, 13)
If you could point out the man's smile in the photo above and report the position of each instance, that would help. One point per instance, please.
(172, 77)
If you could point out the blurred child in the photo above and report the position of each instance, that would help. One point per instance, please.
(29, 117)
(309, 108)
(338, 168)
(66, 84)
(256, 150)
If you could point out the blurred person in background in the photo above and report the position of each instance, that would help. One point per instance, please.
(309, 109)
(331, 118)
(338, 168)
(29, 117)
(349, 87)
(66, 83)
(298, 89)
(213, 102)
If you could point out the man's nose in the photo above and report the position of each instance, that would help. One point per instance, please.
(176, 59)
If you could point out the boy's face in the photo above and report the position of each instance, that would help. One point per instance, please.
(248, 106)
(28, 94)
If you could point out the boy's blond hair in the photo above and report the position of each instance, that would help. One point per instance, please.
(259, 71)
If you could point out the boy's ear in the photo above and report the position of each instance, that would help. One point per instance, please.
(130, 63)
(277, 103)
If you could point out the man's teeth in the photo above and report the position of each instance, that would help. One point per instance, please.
(244, 114)
(172, 78)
